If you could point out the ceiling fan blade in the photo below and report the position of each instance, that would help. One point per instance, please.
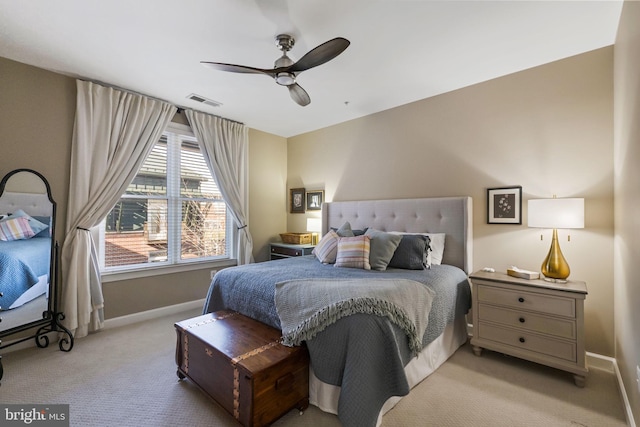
(321, 54)
(299, 95)
(237, 68)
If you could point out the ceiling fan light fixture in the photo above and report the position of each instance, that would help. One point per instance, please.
(285, 79)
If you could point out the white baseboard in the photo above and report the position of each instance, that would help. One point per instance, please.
(152, 314)
(609, 363)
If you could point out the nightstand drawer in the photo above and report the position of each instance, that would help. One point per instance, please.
(527, 301)
(528, 341)
(563, 328)
(279, 250)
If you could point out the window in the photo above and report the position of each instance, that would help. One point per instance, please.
(171, 213)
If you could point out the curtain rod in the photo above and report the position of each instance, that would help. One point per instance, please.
(180, 108)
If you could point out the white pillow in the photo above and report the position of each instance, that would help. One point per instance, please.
(437, 246)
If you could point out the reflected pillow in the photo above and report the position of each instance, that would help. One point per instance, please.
(45, 220)
(353, 252)
(327, 248)
(15, 229)
(35, 225)
(383, 246)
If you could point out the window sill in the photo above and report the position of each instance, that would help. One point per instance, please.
(165, 269)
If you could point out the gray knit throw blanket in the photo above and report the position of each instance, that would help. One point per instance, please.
(307, 306)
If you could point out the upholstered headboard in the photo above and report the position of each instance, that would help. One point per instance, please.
(31, 203)
(450, 215)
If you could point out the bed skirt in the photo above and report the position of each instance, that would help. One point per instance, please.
(325, 396)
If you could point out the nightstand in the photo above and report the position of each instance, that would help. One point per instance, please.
(288, 250)
(534, 320)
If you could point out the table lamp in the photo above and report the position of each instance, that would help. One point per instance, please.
(314, 226)
(556, 213)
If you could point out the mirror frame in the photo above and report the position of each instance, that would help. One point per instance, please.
(48, 316)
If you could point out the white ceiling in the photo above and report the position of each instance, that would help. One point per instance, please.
(401, 50)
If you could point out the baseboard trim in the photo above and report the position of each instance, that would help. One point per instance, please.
(129, 319)
(613, 363)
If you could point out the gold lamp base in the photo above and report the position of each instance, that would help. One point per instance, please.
(555, 267)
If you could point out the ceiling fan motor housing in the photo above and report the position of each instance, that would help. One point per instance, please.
(284, 42)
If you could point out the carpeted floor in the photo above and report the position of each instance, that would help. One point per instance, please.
(127, 377)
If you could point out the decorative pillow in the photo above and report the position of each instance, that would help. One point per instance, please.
(346, 231)
(353, 252)
(436, 246)
(327, 248)
(383, 245)
(35, 225)
(412, 252)
(15, 229)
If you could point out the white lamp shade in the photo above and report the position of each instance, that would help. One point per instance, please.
(556, 213)
(314, 225)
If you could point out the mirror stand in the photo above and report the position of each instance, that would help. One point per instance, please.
(53, 319)
(29, 257)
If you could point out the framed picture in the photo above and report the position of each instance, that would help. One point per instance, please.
(297, 200)
(314, 200)
(504, 205)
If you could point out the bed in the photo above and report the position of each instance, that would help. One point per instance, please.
(362, 364)
(25, 262)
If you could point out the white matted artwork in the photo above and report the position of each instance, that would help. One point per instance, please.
(504, 205)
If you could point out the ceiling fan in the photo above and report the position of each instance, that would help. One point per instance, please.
(284, 70)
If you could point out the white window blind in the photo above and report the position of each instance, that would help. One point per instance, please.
(171, 213)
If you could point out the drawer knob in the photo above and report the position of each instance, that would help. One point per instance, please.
(521, 339)
(521, 320)
(520, 299)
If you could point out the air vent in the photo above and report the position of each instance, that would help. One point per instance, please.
(204, 100)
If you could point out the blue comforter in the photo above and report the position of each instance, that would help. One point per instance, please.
(21, 263)
(365, 355)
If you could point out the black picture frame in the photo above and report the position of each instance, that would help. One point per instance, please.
(504, 205)
(297, 200)
(315, 198)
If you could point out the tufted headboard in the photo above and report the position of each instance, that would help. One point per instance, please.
(31, 203)
(450, 215)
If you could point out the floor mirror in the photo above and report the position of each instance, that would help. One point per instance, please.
(28, 263)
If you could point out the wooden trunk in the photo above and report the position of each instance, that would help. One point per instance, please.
(240, 363)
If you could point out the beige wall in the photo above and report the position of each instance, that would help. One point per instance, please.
(36, 123)
(627, 196)
(267, 187)
(38, 110)
(548, 129)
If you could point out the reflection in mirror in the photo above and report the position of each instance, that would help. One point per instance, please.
(26, 248)
(27, 258)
